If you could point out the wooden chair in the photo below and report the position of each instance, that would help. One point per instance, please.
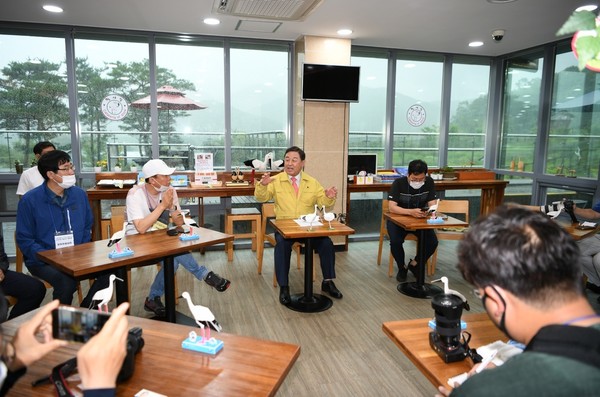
(449, 207)
(19, 268)
(251, 215)
(268, 212)
(383, 234)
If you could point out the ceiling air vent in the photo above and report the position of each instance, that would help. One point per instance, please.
(284, 10)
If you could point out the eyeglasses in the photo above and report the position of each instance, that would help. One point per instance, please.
(67, 168)
(416, 179)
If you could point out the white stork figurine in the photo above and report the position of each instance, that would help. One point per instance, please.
(203, 317)
(449, 291)
(267, 164)
(311, 217)
(328, 216)
(116, 237)
(105, 295)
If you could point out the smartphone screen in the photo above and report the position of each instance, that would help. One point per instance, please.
(76, 324)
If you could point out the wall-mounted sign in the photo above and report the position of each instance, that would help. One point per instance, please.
(416, 115)
(114, 107)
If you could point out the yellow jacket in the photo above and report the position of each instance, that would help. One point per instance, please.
(287, 204)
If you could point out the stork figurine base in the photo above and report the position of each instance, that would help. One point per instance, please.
(433, 219)
(188, 237)
(202, 345)
(116, 253)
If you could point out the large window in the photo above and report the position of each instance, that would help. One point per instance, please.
(418, 100)
(110, 76)
(368, 116)
(574, 138)
(521, 112)
(259, 102)
(33, 97)
(190, 80)
(468, 114)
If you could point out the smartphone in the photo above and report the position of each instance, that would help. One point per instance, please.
(77, 324)
(424, 209)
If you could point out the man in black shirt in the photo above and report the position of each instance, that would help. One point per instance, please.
(409, 196)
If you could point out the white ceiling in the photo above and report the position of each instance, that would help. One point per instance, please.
(427, 25)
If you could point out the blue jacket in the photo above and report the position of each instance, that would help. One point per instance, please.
(41, 214)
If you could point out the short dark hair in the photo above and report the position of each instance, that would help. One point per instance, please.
(50, 161)
(524, 252)
(37, 149)
(417, 167)
(297, 150)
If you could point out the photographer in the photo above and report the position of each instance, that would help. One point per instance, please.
(99, 360)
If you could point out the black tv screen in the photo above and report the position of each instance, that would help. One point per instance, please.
(362, 162)
(331, 83)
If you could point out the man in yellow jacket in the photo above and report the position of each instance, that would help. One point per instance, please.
(295, 193)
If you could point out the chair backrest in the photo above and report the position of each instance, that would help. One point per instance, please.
(117, 217)
(385, 207)
(455, 207)
(268, 211)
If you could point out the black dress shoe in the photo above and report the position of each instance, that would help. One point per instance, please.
(284, 296)
(402, 272)
(329, 287)
(413, 269)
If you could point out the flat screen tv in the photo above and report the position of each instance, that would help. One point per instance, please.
(362, 162)
(330, 83)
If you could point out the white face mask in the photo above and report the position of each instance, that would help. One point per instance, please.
(416, 185)
(68, 181)
(161, 188)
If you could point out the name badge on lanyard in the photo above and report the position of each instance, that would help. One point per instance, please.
(64, 239)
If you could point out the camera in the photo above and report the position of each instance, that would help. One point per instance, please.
(498, 35)
(135, 342)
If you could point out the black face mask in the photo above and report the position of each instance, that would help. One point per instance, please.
(502, 325)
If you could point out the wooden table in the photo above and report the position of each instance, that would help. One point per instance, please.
(492, 191)
(91, 258)
(245, 367)
(308, 302)
(412, 337)
(420, 289)
(578, 234)
(97, 194)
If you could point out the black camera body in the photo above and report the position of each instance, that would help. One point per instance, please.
(569, 209)
(135, 343)
(445, 340)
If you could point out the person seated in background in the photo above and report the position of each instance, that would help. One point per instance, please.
(98, 361)
(156, 201)
(29, 291)
(525, 269)
(32, 178)
(56, 213)
(295, 193)
(409, 195)
(589, 246)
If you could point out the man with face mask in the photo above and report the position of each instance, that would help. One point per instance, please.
(156, 201)
(408, 196)
(55, 214)
(526, 270)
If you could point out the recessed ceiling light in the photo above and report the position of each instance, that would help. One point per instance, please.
(590, 7)
(51, 8)
(500, 1)
(476, 44)
(344, 32)
(211, 21)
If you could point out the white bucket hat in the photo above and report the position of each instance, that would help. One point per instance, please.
(156, 167)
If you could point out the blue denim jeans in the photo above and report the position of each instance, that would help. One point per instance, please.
(187, 261)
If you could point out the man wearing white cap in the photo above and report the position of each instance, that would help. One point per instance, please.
(153, 202)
